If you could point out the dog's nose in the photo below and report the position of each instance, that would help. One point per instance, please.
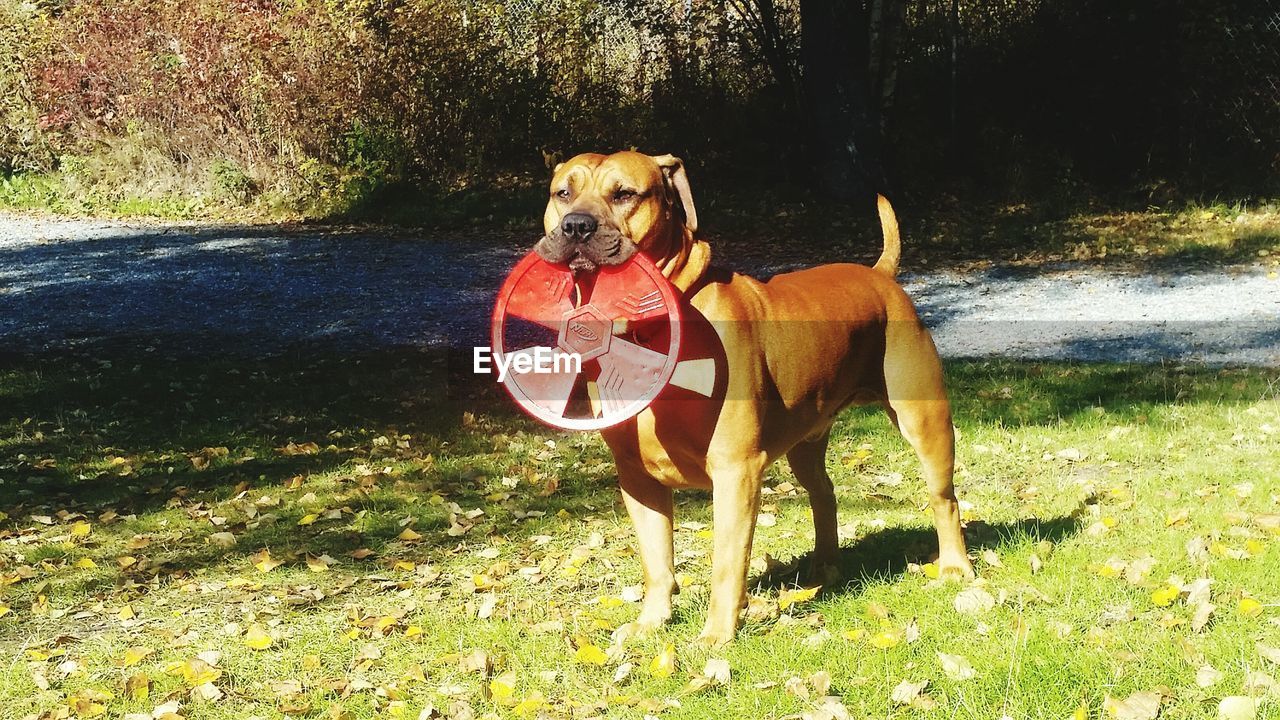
(579, 226)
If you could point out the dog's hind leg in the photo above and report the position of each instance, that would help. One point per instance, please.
(917, 404)
(809, 464)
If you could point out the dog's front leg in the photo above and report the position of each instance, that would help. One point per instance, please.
(649, 504)
(735, 503)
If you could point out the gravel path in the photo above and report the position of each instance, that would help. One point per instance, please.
(244, 290)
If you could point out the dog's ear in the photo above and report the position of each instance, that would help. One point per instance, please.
(673, 172)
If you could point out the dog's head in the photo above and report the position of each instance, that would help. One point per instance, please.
(603, 208)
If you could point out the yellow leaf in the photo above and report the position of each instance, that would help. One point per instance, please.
(408, 535)
(86, 564)
(308, 519)
(80, 529)
(194, 672)
(787, 598)
(257, 638)
(5, 609)
(263, 561)
(855, 634)
(1080, 713)
(930, 570)
(138, 687)
(412, 631)
(503, 687)
(886, 639)
(530, 705)
(404, 565)
(315, 564)
(135, 655)
(664, 663)
(126, 613)
(1177, 517)
(1165, 595)
(1110, 521)
(591, 655)
(126, 561)
(1249, 607)
(1254, 547)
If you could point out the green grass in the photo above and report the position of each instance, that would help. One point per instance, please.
(1083, 467)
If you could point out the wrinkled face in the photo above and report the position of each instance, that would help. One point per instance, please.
(603, 208)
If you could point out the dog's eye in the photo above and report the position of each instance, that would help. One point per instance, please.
(623, 195)
(563, 193)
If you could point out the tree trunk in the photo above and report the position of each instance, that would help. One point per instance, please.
(834, 54)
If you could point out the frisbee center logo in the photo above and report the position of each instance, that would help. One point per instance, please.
(585, 331)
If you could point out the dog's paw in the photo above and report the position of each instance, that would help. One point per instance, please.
(710, 639)
(824, 572)
(956, 569)
(640, 627)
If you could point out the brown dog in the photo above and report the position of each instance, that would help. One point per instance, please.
(767, 367)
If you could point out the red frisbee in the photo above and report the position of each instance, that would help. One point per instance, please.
(622, 324)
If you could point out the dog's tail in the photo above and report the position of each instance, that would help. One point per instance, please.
(892, 253)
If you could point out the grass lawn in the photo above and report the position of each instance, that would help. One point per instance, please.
(373, 536)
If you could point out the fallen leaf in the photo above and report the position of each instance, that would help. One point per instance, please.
(664, 663)
(263, 561)
(134, 655)
(1207, 676)
(907, 691)
(1164, 596)
(1144, 705)
(257, 638)
(974, 601)
(1269, 653)
(717, 670)
(589, 654)
(787, 598)
(1237, 707)
(956, 667)
(1249, 607)
(886, 639)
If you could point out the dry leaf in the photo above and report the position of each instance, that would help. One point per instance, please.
(717, 670)
(1268, 652)
(907, 691)
(257, 638)
(1208, 676)
(787, 598)
(664, 663)
(1237, 707)
(974, 601)
(134, 655)
(1144, 705)
(956, 667)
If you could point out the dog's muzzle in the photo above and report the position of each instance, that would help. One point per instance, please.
(582, 242)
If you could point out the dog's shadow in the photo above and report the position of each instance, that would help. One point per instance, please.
(885, 554)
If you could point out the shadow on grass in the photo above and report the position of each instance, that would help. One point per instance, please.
(885, 554)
